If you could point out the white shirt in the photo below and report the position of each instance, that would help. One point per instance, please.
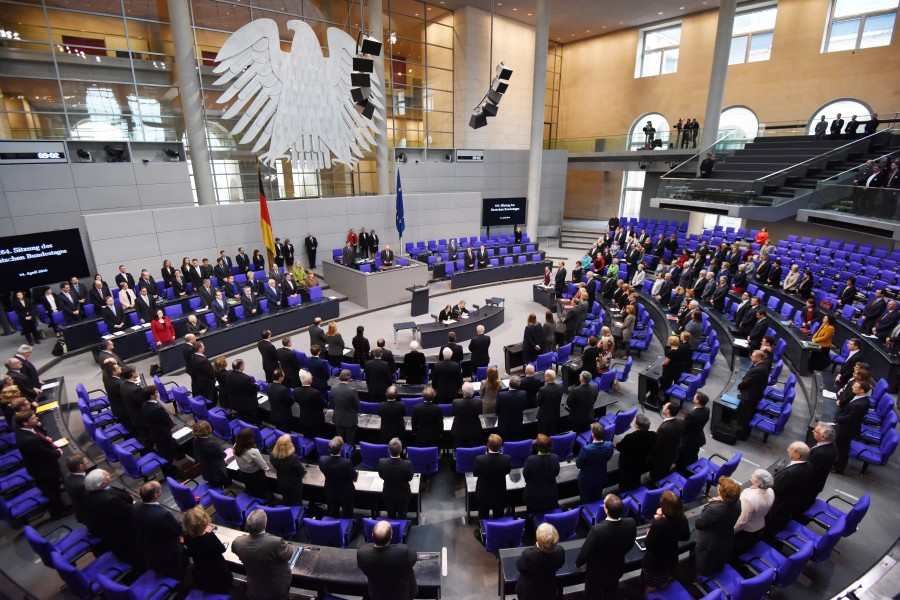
(871, 177)
(52, 302)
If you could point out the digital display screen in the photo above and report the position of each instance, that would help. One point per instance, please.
(36, 259)
(32, 155)
(503, 211)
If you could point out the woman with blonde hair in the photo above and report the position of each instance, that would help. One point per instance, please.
(538, 565)
(220, 370)
(488, 391)
(628, 324)
(335, 344)
(299, 274)
(211, 573)
(715, 528)
(289, 470)
(607, 346)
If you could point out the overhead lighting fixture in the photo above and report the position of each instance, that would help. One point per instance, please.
(393, 38)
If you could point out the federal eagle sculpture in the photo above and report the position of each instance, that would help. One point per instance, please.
(295, 104)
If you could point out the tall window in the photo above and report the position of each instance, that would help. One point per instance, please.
(752, 35)
(658, 51)
(637, 139)
(858, 24)
(632, 190)
(741, 120)
(846, 107)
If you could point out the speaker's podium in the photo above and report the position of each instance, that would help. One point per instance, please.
(419, 304)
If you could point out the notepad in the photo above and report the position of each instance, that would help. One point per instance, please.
(730, 400)
(181, 433)
(829, 395)
(49, 386)
(45, 407)
(61, 442)
(741, 343)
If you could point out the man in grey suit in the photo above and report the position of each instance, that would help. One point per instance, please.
(266, 558)
(346, 408)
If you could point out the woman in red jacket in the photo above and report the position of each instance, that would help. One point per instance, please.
(352, 238)
(162, 329)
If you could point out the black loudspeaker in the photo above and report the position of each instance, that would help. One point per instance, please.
(477, 120)
(490, 110)
(494, 97)
(367, 110)
(360, 80)
(363, 65)
(359, 95)
(503, 72)
(370, 46)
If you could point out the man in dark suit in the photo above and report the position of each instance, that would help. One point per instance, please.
(146, 282)
(758, 331)
(510, 409)
(836, 125)
(319, 369)
(145, 306)
(273, 294)
(692, 436)
(874, 309)
(109, 517)
(281, 401)
(97, 296)
(388, 567)
(387, 257)
(491, 470)
(289, 289)
(456, 349)
(206, 292)
(133, 399)
(243, 261)
(446, 377)
(751, 389)
(854, 357)
(160, 534)
(106, 351)
(266, 559)
(178, 284)
(269, 354)
(249, 302)
(668, 439)
(821, 460)
(23, 355)
(848, 422)
(592, 463)
(386, 355)
(604, 550)
(242, 393)
(530, 384)
(221, 310)
(391, 412)
(414, 366)
(159, 427)
(742, 310)
(41, 459)
(14, 370)
(378, 376)
(719, 294)
(348, 255)
(886, 322)
(69, 304)
(289, 362)
(469, 259)
(311, 402)
(707, 166)
(466, 412)
(312, 244)
(762, 271)
(124, 275)
(77, 465)
(339, 477)
(317, 334)
(396, 472)
(479, 348)
(427, 421)
(345, 400)
(580, 403)
(548, 400)
(113, 316)
(287, 248)
(481, 257)
(791, 488)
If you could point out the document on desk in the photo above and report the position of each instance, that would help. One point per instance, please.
(49, 386)
(828, 394)
(181, 433)
(261, 398)
(45, 407)
(741, 343)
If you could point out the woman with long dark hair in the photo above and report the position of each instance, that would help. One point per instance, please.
(251, 464)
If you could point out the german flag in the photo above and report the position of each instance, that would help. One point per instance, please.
(265, 223)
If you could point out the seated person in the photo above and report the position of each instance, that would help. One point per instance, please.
(446, 314)
(459, 310)
(387, 257)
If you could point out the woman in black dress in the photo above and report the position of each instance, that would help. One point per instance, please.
(335, 342)
(211, 572)
(259, 263)
(531, 340)
(289, 470)
(715, 528)
(28, 318)
(210, 456)
(661, 558)
(672, 365)
(360, 347)
(538, 565)
(548, 333)
(220, 367)
(541, 494)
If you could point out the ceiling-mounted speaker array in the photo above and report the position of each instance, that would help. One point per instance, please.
(367, 50)
(490, 104)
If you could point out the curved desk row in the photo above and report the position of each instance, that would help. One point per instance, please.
(648, 379)
(226, 339)
(434, 335)
(333, 570)
(462, 279)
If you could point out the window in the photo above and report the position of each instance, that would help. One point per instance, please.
(658, 51)
(637, 139)
(742, 121)
(846, 107)
(710, 221)
(858, 24)
(632, 190)
(752, 35)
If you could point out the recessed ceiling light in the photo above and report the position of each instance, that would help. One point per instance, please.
(587, 30)
(660, 12)
(515, 9)
(604, 27)
(680, 8)
(573, 35)
(621, 22)
(529, 14)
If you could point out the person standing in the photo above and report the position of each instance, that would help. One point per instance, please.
(159, 428)
(668, 439)
(340, 475)
(396, 472)
(548, 399)
(160, 534)
(210, 573)
(346, 408)
(790, 487)
(603, 552)
(427, 421)
(251, 465)
(491, 470)
(289, 471)
(580, 403)
(715, 526)
(479, 347)
(821, 126)
(532, 339)
(77, 465)
(692, 437)
(41, 459)
(266, 559)
(538, 565)
(822, 457)
(751, 389)
(592, 462)
(541, 494)
(669, 527)
(756, 501)
(634, 451)
(707, 166)
(281, 401)
(510, 410)
(312, 244)
(388, 567)
(848, 422)
(312, 404)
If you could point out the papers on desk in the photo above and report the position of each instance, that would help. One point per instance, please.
(505, 383)
(45, 407)
(118, 334)
(449, 322)
(108, 336)
(261, 399)
(229, 453)
(810, 345)
(181, 434)
(332, 297)
(49, 386)
(741, 343)
(61, 442)
(476, 385)
(135, 328)
(828, 394)
(201, 309)
(464, 316)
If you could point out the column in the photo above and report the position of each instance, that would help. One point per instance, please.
(382, 164)
(539, 88)
(719, 74)
(191, 101)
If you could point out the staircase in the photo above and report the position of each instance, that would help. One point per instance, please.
(580, 234)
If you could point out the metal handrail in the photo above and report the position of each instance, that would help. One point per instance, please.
(698, 154)
(832, 151)
(842, 173)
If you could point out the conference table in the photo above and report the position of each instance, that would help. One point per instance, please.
(461, 279)
(434, 335)
(245, 332)
(322, 568)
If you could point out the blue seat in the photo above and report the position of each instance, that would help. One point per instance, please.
(109, 449)
(368, 408)
(645, 501)
(233, 511)
(563, 444)
(83, 583)
(518, 452)
(502, 533)
(872, 455)
(735, 586)
(411, 403)
(465, 458)
(139, 468)
(787, 568)
(726, 469)
(71, 547)
(400, 529)
(149, 586)
(620, 422)
(425, 461)
(187, 498)
(770, 426)
(690, 488)
(95, 404)
(284, 521)
(566, 522)
(223, 429)
(336, 533)
(795, 535)
(676, 591)
(825, 515)
(355, 370)
(264, 437)
(372, 453)
(322, 448)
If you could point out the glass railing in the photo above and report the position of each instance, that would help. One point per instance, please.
(847, 177)
(615, 143)
(873, 203)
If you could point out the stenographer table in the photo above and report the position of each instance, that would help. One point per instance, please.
(545, 296)
(463, 279)
(434, 335)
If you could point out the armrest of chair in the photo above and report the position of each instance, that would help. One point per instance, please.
(159, 462)
(718, 585)
(749, 565)
(97, 391)
(115, 572)
(158, 588)
(711, 456)
(844, 500)
(792, 546)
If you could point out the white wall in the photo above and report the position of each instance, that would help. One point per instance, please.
(142, 239)
(513, 43)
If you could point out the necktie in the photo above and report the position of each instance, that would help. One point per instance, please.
(41, 435)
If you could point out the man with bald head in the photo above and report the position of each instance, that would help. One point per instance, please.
(159, 533)
(479, 347)
(466, 411)
(266, 559)
(446, 377)
(531, 383)
(549, 399)
(791, 487)
(388, 567)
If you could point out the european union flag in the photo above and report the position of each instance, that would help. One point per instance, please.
(401, 222)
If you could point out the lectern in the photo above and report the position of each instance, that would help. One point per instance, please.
(419, 304)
